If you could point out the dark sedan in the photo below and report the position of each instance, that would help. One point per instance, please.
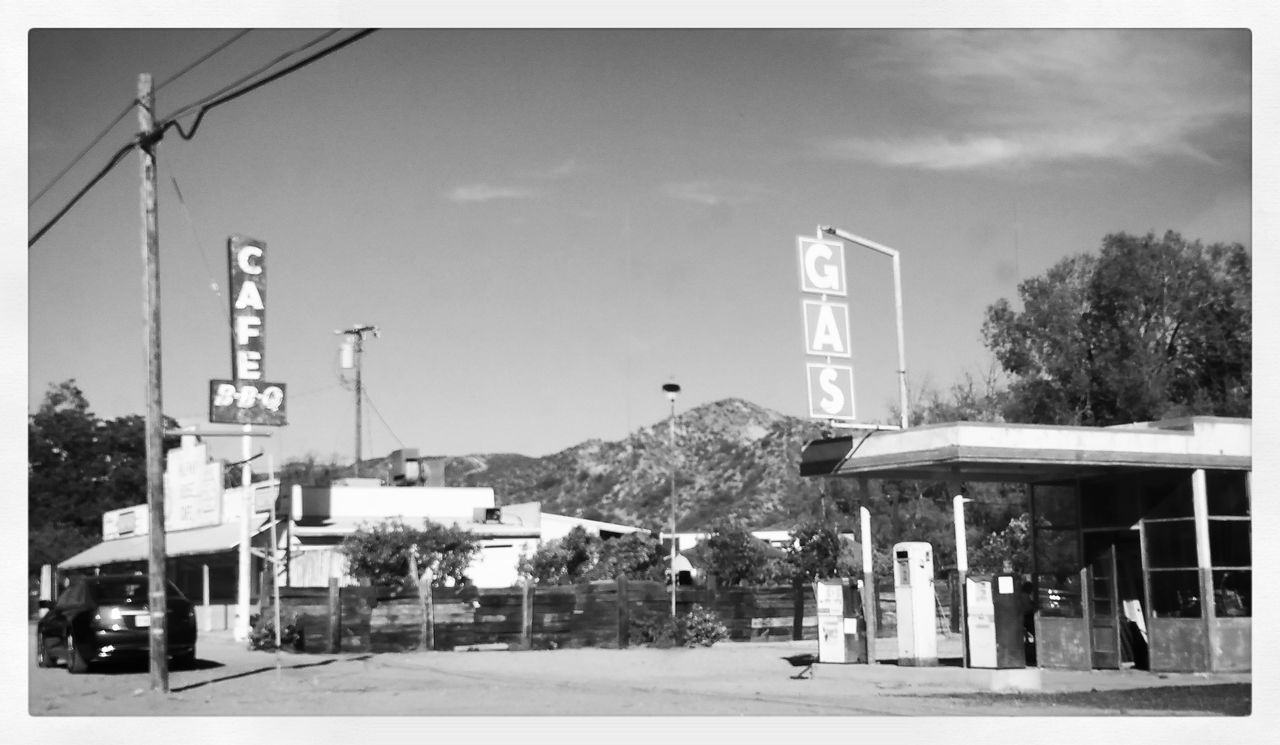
(106, 618)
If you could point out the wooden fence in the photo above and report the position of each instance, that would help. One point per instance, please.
(598, 614)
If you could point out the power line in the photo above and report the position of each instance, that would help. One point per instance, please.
(150, 138)
(229, 86)
(125, 112)
(202, 59)
(374, 406)
(205, 108)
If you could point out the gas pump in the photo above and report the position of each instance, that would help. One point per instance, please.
(994, 622)
(913, 595)
(842, 629)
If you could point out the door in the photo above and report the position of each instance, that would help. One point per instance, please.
(1104, 611)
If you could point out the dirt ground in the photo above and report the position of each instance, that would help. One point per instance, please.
(729, 679)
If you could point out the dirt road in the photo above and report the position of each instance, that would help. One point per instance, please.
(725, 680)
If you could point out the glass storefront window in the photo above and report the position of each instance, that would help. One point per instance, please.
(1232, 593)
(1057, 551)
(1229, 543)
(1115, 503)
(1171, 544)
(1167, 495)
(1058, 595)
(1175, 594)
(1228, 495)
(1054, 505)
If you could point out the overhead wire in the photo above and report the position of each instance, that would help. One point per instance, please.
(150, 138)
(242, 79)
(206, 107)
(125, 112)
(372, 405)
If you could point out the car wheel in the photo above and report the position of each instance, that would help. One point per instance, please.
(42, 653)
(76, 663)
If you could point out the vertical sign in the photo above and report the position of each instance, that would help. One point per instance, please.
(247, 398)
(248, 274)
(826, 328)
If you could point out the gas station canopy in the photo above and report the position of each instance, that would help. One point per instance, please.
(984, 451)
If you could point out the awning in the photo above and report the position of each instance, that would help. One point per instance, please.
(982, 451)
(212, 539)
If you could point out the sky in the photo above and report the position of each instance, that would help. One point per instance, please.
(548, 225)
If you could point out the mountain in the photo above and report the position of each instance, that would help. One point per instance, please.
(733, 459)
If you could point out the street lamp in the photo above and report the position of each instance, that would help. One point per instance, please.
(897, 301)
(672, 390)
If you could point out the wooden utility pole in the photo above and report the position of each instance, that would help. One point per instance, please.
(158, 607)
(357, 334)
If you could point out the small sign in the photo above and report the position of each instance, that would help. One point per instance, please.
(821, 266)
(826, 329)
(830, 391)
(247, 403)
(192, 489)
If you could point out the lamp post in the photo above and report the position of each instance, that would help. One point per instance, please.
(897, 302)
(672, 390)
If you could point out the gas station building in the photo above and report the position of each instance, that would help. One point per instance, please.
(1141, 533)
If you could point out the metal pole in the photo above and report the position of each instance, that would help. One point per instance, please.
(241, 632)
(962, 571)
(902, 360)
(897, 302)
(672, 390)
(674, 576)
(157, 597)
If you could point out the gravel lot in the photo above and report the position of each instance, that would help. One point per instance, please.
(743, 679)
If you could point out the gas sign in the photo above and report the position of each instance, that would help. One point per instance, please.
(826, 328)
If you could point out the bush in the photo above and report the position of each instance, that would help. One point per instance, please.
(263, 635)
(699, 627)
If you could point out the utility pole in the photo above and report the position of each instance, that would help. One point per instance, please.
(356, 334)
(157, 605)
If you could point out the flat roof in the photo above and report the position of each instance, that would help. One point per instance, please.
(984, 451)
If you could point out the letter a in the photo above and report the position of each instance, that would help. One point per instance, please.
(827, 337)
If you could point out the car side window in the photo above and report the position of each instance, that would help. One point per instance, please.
(73, 596)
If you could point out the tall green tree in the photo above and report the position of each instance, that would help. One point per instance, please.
(78, 467)
(735, 556)
(379, 553)
(1148, 328)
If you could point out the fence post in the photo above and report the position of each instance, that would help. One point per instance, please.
(526, 614)
(797, 609)
(335, 617)
(624, 613)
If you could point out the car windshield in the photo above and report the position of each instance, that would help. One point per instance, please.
(131, 591)
(126, 592)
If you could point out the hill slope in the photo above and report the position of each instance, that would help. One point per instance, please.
(734, 459)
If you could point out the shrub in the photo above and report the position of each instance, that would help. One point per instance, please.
(263, 635)
(699, 627)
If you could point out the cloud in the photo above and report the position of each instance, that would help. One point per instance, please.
(999, 99)
(715, 193)
(488, 193)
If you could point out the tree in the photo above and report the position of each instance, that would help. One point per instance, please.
(638, 555)
(819, 552)
(735, 556)
(380, 553)
(579, 556)
(1012, 544)
(78, 467)
(1147, 329)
